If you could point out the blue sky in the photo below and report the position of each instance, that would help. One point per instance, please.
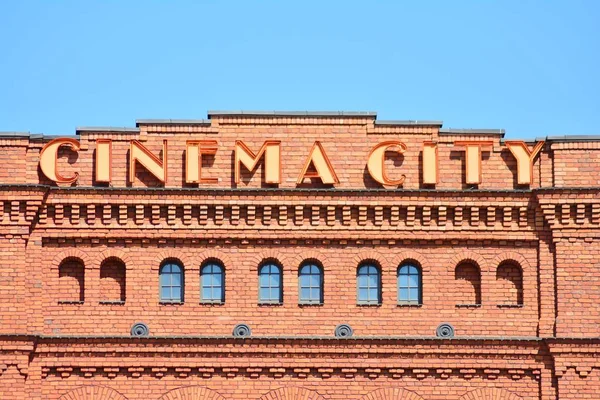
(531, 67)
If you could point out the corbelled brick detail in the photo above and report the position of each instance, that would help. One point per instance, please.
(513, 268)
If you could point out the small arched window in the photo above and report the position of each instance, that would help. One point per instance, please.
(310, 283)
(171, 282)
(112, 281)
(509, 281)
(409, 284)
(270, 284)
(468, 284)
(212, 282)
(71, 281)
(368, 284)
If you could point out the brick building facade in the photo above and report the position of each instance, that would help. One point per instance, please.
(475, 285)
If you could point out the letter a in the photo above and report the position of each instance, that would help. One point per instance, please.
(324, 170)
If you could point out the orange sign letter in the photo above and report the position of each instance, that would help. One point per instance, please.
(103, 160)
(473, 159)
(430, 163)
(139, 153)
(193, 160)
(324, 170)
(524, 158)
(49, 159)
(270, 148)
(376, 162)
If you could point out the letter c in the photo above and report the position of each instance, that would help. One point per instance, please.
(49, 159)
(376, 162)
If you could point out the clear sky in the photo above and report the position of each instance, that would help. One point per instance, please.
(531, 67)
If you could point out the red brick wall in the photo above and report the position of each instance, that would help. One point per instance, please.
(514, 272)
(443, 290)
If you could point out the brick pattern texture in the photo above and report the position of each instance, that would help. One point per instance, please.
(514, 269)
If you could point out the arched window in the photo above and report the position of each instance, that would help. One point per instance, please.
(112, 281)
(270, 285)
(212, 282)
(71, 281)
(468, 281)
(509, 279)
(310, 283)
(171, 282)
(409, 284)
(368, 284)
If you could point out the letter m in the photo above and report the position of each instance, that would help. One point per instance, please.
(272, 167)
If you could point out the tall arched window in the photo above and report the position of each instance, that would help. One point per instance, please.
(368, 284)
(171, 282)
(409, 284)
(212, 281)
(310, 281)
(270, 283)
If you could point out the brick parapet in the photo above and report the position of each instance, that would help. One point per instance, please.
(527, 332)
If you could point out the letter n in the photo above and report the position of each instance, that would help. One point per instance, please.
(139, 153)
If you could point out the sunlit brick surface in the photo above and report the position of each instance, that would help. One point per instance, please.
(513, 268)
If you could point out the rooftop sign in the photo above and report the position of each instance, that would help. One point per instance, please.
(316, 163)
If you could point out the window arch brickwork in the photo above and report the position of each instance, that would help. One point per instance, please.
(71, 280)
(112, 280)
(392, 394)
(509, 284)
(192, 393)
(292, 393)
(490, 394)
(467, 277)
(93, 393)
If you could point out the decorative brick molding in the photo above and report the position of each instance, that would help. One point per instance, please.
(214, 254)
(510, 256)
(468, 256)
(192, 393)
(370, 255)
(120, 255)
(174, 254)
(292, 393)
(324, 215)
(278, 371)
(308, 256)
(392, 394)
(405, 256)
(93, 393)
(76, 254)
(490, 394)
(271, 254)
